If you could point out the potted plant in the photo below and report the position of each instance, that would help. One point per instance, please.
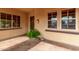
(33, 34)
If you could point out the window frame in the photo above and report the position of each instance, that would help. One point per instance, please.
(9, 18)
(68, 19)
(51, 20)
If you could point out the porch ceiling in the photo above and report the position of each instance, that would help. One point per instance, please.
(25, 9)
(31, 9)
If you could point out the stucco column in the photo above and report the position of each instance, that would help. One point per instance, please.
(58, 19)
(77, 19)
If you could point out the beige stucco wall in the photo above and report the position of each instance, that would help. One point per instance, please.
(15, 32)
(42, 15)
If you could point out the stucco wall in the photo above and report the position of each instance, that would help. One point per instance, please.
(15, 32)
(42, 15)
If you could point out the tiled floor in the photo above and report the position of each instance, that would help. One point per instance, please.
(11, 42)
(23, 43)
(42, 46)
(24, 46)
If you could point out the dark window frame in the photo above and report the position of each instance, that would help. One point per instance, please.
(6, 21)
(52, 20)
(70, 22)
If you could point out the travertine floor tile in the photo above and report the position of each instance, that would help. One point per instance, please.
(42, 46)
(8, 43)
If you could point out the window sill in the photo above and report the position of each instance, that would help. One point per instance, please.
(61, 31)
(9, 28)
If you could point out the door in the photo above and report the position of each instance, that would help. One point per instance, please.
(32, 22)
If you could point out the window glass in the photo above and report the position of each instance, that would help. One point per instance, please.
(3, 16)
(18, 21)
(9, 21)
(3, 20)
(52, 20)
(14, 20)
(68, 19)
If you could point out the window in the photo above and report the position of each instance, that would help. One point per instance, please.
(9, 21)
(2, 20)
(52, 20)
(68, 19)
(16, 21)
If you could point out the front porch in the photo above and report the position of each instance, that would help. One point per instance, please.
(58, 26)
